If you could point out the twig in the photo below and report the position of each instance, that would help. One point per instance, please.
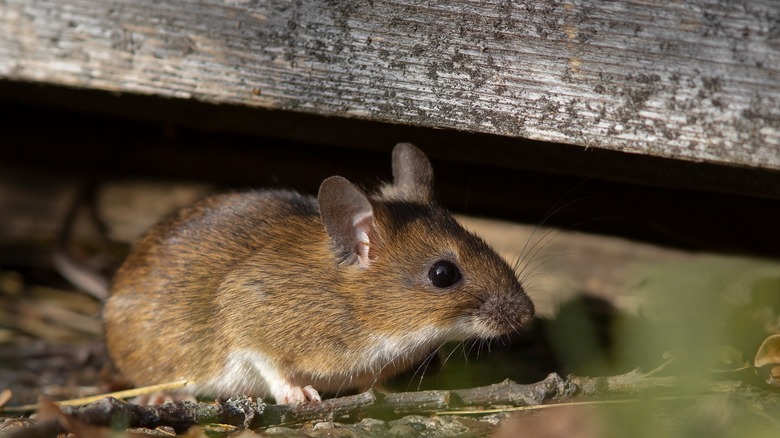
(117, 414)
(245, 413)
(86, 400)
(372, 403)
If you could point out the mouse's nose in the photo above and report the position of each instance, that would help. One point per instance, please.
(506, 312)
(525, 309)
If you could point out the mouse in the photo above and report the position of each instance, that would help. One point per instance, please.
(276, 294)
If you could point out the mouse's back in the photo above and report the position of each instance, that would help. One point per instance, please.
(163, 312)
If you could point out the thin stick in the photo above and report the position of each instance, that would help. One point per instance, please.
(119, 394)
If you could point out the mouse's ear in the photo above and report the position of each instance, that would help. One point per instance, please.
(412, 173)
(348, 217)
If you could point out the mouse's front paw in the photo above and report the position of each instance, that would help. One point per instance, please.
(296, 395)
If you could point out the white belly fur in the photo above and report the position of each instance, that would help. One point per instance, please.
(253, 373)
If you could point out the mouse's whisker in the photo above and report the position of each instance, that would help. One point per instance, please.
(529, 270)
(424, 366)
(378, 373)
(458, 347)
(345, 382)
(555, 209)
(528, 280)
(548, 237)
(474, 344)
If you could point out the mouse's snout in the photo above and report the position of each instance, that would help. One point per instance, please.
(505, 312)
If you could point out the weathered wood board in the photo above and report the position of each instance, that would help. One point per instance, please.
(696, 80)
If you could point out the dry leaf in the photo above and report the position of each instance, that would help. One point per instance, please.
(5, 395)
(767, 361)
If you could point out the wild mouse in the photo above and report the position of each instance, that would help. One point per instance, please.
(274, 293)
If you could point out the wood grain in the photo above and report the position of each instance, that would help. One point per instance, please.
(696, 80)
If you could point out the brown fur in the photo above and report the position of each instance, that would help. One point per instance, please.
(259, 271)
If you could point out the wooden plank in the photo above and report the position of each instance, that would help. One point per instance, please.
(696, 80)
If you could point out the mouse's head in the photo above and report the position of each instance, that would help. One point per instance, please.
(415, 268)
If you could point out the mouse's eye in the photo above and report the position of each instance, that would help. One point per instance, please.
(444, 274)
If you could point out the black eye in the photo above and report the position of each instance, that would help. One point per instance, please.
(444, 274)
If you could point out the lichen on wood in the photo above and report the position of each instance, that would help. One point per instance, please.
(694, 80)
